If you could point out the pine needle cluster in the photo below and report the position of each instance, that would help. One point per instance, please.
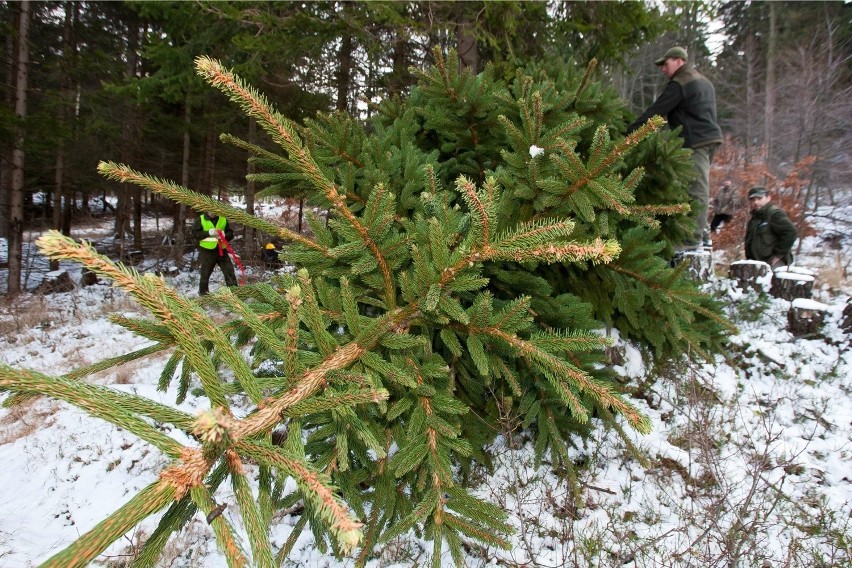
(480, 236)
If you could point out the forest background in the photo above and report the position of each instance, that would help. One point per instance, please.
(90, 81)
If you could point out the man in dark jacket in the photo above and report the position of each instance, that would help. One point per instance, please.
(689, 101)
(212, 251)
(770, 234)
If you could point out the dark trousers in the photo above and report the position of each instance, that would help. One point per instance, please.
(209, 260)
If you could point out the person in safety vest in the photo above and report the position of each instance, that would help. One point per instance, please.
(212, 251)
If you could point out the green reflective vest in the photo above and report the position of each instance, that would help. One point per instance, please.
(206, 224)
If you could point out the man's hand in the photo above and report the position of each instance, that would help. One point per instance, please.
(213, 233)
(775, 261)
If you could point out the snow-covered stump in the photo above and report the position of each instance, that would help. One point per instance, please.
(55, 282)
(699, 264)
(753, 274)
(805, 317)
(791, 285)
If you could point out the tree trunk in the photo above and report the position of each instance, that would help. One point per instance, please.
(16, 201)
(398, 78)
(344, 63)
(769, 102)
(749, 92)
(66, 93)
(5, 149)
(128, 135)
(466, 44)
(124, 200)
(180, 212)
(207, 172)
(249, 235)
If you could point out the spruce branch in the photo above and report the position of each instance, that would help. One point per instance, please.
(75, 393)
(225, 534)
(153, 294)
(558, 371)
(257, 530)
(315, 486)
(281, 130)
(22, 396)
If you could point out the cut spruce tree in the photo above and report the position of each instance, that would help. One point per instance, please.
(482, 238)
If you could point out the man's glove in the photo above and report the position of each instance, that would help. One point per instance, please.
(213, 233)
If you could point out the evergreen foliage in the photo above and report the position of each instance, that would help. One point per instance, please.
(481, 236)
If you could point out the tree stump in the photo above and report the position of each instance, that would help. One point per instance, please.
(791, 285)
(752, 274)
(699, 263)
(54, 282)
(170, 270)
(796, 270)
(132, 257)
(88, 278)
(805, 317)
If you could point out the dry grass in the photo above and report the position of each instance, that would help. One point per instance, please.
(26, 418)
(22, 314)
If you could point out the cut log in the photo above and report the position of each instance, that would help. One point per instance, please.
(805, 317)
(791, 285)
(55, 282)
(752, 274)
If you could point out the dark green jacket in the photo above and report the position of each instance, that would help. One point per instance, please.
(689, 100)
(770, 233)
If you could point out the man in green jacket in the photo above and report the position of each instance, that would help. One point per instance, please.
(211, 250)
(689, 101)
(770, 234)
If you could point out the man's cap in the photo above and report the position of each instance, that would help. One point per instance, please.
(757, 192)
(676, 51)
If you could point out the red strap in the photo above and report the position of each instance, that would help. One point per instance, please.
(224, 241)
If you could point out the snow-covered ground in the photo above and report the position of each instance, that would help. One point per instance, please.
(748, 463)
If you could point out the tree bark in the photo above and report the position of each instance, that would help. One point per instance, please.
(128, 196)
(249, 235)
(5, 148)
(180, 211)
(16, 201)
(344, 63)
(769, 101)
(60, 195)
(466, 44)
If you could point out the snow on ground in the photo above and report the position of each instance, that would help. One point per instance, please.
(748, 463)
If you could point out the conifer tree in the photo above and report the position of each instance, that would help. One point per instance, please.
(480, 236)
